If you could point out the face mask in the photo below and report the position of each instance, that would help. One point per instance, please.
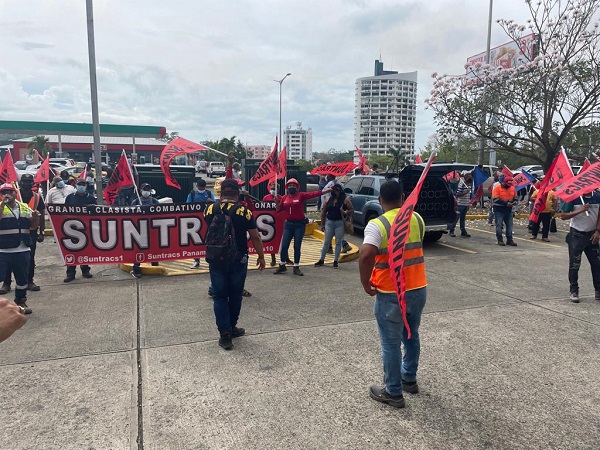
(80, 188)
(146, 193)
(60, 184)
(292, 190)
(272, 191)
(202, 191)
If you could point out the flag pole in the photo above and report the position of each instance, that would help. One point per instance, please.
(135, 188)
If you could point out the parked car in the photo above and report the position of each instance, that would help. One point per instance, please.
(66, 162)
(536, 170)
(436, 203)
(312, 184)
(21, 165)
(215, 169)
(201, 166)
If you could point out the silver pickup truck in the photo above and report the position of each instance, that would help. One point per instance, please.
(436, 204)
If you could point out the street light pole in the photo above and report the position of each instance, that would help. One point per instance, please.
(280, 83)
(487, 61)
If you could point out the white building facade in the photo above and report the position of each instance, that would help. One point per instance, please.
(298, 142)
(258, 151)
(385, 113)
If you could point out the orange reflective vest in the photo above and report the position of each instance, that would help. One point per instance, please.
(414, 261)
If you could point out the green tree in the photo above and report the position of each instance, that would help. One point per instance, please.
(305, 166)
(530, 108)
(170, 136)
(41, 144)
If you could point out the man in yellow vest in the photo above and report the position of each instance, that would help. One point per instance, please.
(400, 373)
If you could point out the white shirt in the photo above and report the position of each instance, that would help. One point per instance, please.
(57, 195)
(372, 234)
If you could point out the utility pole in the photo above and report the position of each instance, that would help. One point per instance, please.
(484, 112)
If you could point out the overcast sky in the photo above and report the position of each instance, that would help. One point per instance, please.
(206, 68)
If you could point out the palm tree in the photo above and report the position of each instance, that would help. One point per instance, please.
(41, 144)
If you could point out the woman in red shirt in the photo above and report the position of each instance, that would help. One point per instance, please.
(291, 206)
(272, 197)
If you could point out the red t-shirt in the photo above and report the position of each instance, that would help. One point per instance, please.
(293, 205)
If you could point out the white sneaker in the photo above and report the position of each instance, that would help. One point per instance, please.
(196, 265)
(574, 297)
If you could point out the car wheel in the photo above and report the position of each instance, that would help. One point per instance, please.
(433, 236)
(370, 217)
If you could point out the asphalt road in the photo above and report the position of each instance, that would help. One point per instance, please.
(116, 363)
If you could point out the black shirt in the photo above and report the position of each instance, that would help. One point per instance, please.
(333, 208)
(242, 222)
(77, 199)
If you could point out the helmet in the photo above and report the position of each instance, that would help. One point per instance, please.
(7, 187)
(292, 181)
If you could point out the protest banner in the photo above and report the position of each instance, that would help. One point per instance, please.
(267, 169)
(581, 184)
(397, 240)
(336, 169)
(282, 166)
(43, 173)
(101, 234)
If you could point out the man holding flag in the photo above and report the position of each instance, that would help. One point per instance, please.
(376, 277)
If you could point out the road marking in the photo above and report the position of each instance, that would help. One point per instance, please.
(457, 248)
(533, 241)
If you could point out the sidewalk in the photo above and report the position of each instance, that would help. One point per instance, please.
(507, 361)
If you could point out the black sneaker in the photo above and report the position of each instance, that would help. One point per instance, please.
(511, 243)
(465, 234)
(33, 287)
(280, 269)
(410, 386)
(501, 243)
(69, 278)
(135, 274)
(379, 394)
(22, 303)
(237, 332)
(87, 275)
(335, 265)
(597, 296)
(273, 262)
(346, 248)
(5, 288)
(319, 263)
(297, 271)
(225, 341)
(451, 234)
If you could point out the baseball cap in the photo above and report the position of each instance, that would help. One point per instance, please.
(7, 187)
(508, 179)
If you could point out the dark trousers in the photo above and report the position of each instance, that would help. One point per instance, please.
(227, 286)
(292, 229)
(462, 215)
(580, 243)
(71, 269)
(545, 219)
(8, 275)
(17, 263)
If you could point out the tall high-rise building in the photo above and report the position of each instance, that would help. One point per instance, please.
(258, 151)
(385, 112)
(298, 142)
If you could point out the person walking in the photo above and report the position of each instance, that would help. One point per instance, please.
(36, 203)
(16, 221)
(400, 373)
(228, 278)
(334, 210)
(504, 197)
(199, 195)
(58, 192)
(292, 206)
(495, 182)
(145, 199)
(463, 199)
(81, 196)
(583, 237)
(545, 216)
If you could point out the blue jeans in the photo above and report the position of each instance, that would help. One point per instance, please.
(504, 215)
(462, 214)
(227, 285)
(392, 334)
(333, 227)
(292, 229)
(18, 263)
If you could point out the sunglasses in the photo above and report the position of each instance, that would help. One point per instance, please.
(7, 192)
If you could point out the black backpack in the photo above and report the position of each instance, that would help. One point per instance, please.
(221, 246)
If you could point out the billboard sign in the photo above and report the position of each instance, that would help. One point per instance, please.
(509, 55)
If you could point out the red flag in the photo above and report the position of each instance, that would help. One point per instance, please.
(450, 175)
(418, 160)
(586, 166)
(83, 175)
(362, 163)
(397, 240)
(282, 166)
(121, 176)
(43, 172)
(562, 170)
(540, 201)
(267, 168)
(478, 194)
(583, 183)
(337, 169)
(177, 147)
(8, 173)
(506, 171)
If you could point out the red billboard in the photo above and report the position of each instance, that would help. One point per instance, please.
(509, 55)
